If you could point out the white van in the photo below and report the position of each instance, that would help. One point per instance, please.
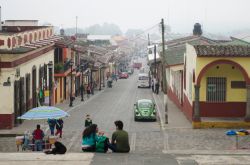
(143, 80)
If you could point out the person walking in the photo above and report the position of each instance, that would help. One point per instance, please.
(152, 85)
(120, 140)
(88, 90)
(59, 127)
(38, 136)
(157, 85)
(52, 124)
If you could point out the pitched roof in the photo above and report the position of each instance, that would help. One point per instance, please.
(236, 41)
(176, 48)
(191, 40)
(175, 56)
(222, 50)
(64, 42)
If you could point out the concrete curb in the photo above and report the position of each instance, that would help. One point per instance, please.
(208, 152)
(39, 156)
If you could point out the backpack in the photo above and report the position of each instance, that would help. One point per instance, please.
(102, 144)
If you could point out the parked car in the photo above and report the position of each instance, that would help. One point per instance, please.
(144, 109)
(123, 75)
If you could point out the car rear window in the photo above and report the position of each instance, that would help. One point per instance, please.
(145, 105)
(143, 78)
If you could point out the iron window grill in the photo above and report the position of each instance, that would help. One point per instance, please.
(216, 89)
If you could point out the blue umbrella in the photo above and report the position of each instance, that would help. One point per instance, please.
(44, 112)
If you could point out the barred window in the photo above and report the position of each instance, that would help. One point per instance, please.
(216, 89)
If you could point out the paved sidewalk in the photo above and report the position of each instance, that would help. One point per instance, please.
(31, 124)
(176, 118)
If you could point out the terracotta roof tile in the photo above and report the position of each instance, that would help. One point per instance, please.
(222, 50)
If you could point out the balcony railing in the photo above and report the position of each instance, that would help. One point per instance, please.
(61, 68)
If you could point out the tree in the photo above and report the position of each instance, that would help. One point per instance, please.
(105, 29)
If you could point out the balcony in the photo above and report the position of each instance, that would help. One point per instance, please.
(61, 68)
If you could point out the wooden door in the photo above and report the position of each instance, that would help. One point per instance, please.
(34, 93)
(27, 92)
(21, 97)
(16, 102)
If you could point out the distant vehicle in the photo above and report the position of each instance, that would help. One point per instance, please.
(123, 75)
(130, 71)
(137, 65)
(144, 109)
(143, 80)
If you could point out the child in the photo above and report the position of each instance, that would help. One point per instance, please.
(88, 121)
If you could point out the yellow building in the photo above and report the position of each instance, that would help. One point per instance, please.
(217, 81)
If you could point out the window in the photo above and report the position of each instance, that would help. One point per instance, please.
(145, 105)
(143, 78)
(216, 89)
(238, 84)
(58, 55)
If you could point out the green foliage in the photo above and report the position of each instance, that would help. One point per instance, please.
(105, 29)
(58, 68)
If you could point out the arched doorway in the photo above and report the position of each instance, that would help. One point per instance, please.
(220, 90)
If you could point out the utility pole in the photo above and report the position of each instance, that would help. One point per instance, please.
(148, 40)
(155, 61)
(164, 78)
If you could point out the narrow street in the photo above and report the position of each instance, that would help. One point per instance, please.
(115, 103)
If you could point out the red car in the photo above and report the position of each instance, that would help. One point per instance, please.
(123, 75)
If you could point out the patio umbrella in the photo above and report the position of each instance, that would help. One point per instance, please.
(44, 112)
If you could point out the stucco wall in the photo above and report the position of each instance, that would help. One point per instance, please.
(224, 70)
(243, 61)
(7, 93)
(190, 57)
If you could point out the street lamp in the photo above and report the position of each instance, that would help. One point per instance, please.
(71, 81)
(100, 78)
(155, 59)
(91, 80)
(82, 87)
(50, 66)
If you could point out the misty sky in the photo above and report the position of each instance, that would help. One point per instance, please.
(216, 16)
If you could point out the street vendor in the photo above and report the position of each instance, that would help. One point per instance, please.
(38, 136)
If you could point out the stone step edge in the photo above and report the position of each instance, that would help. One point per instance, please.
(209, 152)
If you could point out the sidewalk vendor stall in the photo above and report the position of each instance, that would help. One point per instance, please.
(239, 136)
(39, 113)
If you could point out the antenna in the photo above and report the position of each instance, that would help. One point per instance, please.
(76, 27)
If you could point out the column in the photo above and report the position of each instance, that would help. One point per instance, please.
(247, 117)
(196, 116)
